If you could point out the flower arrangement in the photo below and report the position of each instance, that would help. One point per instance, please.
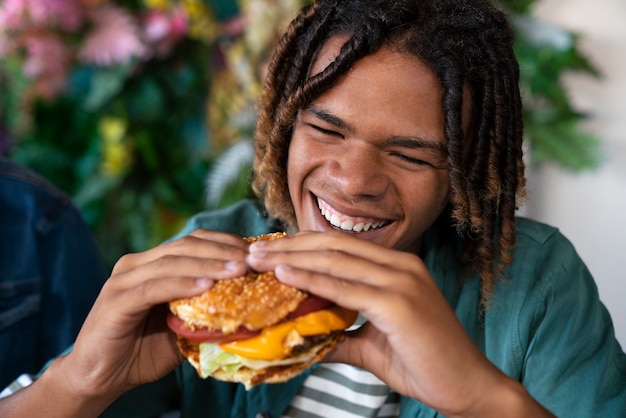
(108, 100)
(51, 37)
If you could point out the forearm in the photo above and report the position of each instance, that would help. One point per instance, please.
(54, 396)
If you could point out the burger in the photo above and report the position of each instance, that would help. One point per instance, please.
(254, 329)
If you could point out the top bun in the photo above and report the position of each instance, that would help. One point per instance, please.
(255, 301)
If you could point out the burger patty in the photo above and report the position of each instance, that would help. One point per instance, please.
(314, 340)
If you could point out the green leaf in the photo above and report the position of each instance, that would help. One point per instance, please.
(94, 189)
(551, 122)
(565, 144)
(106, 83)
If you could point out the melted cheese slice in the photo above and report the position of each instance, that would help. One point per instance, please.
(276, 342)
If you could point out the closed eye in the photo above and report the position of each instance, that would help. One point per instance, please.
(324, 130)
(411, 160)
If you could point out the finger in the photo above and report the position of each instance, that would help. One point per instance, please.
(367, 298)
(148, 293)
(340, 264)
(338, 241)
(199, 243)
(173, 266)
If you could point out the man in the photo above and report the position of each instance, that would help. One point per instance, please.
(389, 144)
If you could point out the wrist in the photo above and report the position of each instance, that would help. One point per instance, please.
(53, 395)
(508, 398)
(71, 394)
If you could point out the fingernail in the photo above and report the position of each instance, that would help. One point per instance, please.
(283, 272)
(283, 268)
(259, 254)
(257, 245)
(231, 265)
(203, 282)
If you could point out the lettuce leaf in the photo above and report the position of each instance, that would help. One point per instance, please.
(213, 358)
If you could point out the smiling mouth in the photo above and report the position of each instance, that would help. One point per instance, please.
(349, 223)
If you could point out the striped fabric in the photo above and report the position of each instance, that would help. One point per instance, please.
(21, 382)
(343, 391)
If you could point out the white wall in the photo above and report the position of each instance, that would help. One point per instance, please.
(590, 207)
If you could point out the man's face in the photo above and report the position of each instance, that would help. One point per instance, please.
(368, 155)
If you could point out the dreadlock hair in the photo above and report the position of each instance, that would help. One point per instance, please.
(469, 45)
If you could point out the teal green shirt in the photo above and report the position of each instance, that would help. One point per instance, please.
(545, 327)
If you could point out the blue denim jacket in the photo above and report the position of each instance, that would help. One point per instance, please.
(50, 271)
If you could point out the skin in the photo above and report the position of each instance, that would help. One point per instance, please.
(373, 156)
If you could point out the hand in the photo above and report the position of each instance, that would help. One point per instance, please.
(125, 341)
(412, 340)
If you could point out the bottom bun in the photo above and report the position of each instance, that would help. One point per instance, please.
(252, 376)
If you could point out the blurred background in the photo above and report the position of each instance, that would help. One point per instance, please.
(588, 205)
(143, 111)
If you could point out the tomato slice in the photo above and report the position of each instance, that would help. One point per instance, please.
(205, 335)
(312, 303)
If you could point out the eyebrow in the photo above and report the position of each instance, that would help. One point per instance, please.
(414, 142)
(328, 118)
(411, 142)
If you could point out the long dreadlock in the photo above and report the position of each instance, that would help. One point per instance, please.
(468, 44)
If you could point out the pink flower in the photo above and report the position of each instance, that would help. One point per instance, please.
(178, 23)
(114, 39)
(47, 63)
(12, 14)
(156, 26)
(67, 15)
(164, 30)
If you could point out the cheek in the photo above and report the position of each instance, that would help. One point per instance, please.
(440, 190)
(441, 187)
(428, 194)
(294, 160)
(292, 165)
(297, 165)
(302, 158)
(295, 157)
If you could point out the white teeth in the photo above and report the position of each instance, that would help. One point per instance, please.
(346, 224)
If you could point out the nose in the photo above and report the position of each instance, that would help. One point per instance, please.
(358, 172)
